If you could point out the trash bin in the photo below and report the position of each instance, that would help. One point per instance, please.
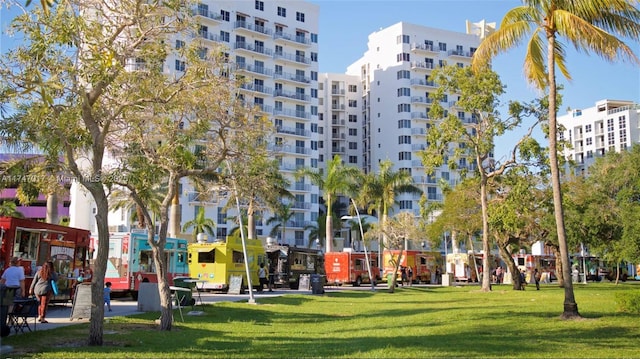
(317, 284)
(186, 297)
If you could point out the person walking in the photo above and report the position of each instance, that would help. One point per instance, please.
(107, 295)
(536, 277)
(42, 289)
(13, 277)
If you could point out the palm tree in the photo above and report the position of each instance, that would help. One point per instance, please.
(282, 215)
(590, 25)
(200, 224)
(379, 191)
(338, 179)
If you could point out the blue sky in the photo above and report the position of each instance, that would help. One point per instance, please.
(346, 24)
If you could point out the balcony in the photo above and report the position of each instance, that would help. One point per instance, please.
(293, 131)
(416, 65)
(337, 92)
(419, 115)
(337, 107)
(253, 48)
(298, 150)
(418, 147)
(338, 149)
(291, 113)
(422, 100)
(460, 53)
(263, 108)
(292, 95)
(206, 35)
(291, 77)
(294, 39)
(418, 131)
(422, 82)
(206, 14)
(260, 70)
(291, 58)
(423, 48)
(253, 28)
(256, 88)
(338, 122)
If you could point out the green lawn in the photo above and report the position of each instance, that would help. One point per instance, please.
(414, 322)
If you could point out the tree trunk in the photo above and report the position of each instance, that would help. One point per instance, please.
(166, 305)
(174, 218)
(511, 264)
(52, 208)
(329, 225)
(486, 270)
(570, 305)
(251, 222)
(96, 326)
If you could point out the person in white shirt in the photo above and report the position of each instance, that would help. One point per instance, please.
(13, 277)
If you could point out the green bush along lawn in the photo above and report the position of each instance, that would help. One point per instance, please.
(414, 322)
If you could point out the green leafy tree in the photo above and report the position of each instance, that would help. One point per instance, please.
(9, 209)
(473, 138)
(338, 179)
(200, 224)
(590, 25)
(378, 191)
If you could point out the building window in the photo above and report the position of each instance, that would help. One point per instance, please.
(353, 160)
(179, 44)
(180, 65)
(404, 107)
(353, 103)
(353, 88)
(300, 16)
(314, 38)
(404, 140)
(404, 74)
(314, 93)
(587, 128)
(353, 132)
(402, 57)
(404, 156)
(314, 75)
(224, 36)
(404, 91)
(353, 145)
(259, 5)
(442, 46)
(405, 204)
(225, 15)
(610, 125)
(432, 193)
(589, 141)
(314, 56)
(402, 39)
(282, 11)
(353, 118)
(404, 123)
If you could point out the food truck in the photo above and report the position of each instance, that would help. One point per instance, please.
(216, 262)
(35, 243)
(130, 261)
(290, 262)
(349, 267)
(422, 263)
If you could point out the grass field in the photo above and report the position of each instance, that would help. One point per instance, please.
(414, 322)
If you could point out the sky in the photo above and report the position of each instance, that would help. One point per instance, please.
(345, 25)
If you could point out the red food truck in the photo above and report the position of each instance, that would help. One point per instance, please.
(350, 267)
(35, 243)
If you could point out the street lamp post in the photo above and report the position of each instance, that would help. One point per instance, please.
(364, 245)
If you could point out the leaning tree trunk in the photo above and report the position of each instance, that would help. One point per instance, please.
(570, 305)
(513, 268)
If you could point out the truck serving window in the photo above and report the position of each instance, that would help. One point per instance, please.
(207, 257)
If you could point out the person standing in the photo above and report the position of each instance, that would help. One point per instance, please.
(272, 276)
(41, 288)
(403, 275)
(107, 295)
(410, 276)
(13, 277)
(262, 276)
(536, 277)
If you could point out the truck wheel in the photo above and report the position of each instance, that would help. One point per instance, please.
(358, 282)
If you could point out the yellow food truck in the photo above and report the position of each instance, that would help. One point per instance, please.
(215, 262)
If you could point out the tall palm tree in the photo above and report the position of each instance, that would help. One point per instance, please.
(590, 25)
(379, 191)
(282, 215)
(200, 224)
(338, 179)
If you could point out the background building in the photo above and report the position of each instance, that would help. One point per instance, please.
(611, 125)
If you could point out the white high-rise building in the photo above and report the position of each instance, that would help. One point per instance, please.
(395, 83)
(611, 125)
(274, 45)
